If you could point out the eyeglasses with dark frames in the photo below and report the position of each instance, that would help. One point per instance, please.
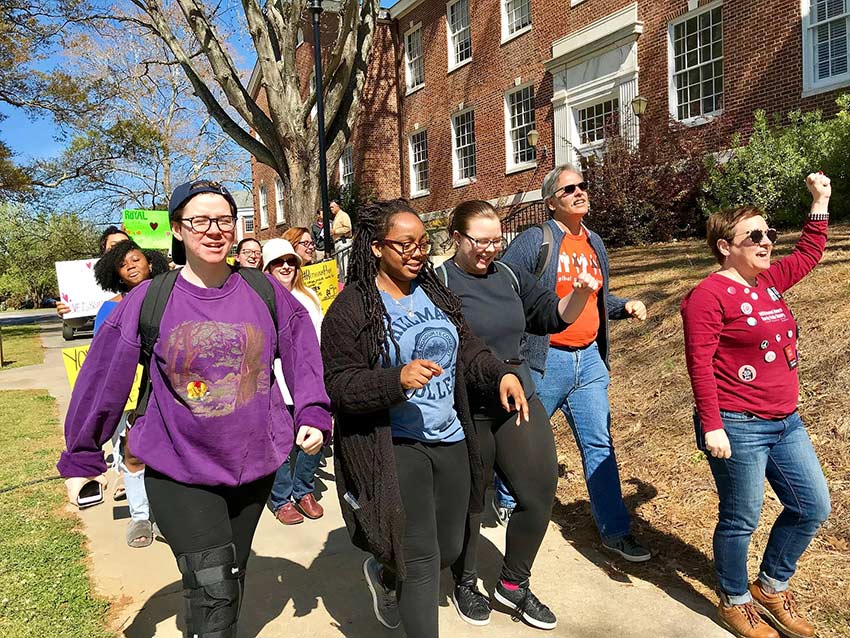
(202, 223)
(484, 244)
(306, 243)
(569, 189)
(250, 253)
(757, 235)
(408, 248)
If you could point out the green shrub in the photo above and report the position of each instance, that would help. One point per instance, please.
(769, 170)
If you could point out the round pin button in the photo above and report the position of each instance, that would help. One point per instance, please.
(751, 321)
(770, 356)
(746, 308)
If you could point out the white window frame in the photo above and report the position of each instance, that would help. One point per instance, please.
(811, 85)
(264, 206)
(408, 63)
(507, 36)
(673, 98)
(450, 36)
(415, 191)
(346, 166)
(457, 180)
(246, 220)
(592, 148)
(510, 165)
(279, 202)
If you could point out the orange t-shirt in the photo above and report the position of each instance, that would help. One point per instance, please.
(575, 257)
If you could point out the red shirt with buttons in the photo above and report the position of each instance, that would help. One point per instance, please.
(741, 341)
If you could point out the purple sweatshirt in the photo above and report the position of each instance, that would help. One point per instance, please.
(215, 415)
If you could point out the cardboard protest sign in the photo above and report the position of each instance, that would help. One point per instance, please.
(78, 288)
(323, 279)
(74, 358)
(148, 228)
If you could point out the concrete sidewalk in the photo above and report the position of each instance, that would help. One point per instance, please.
(306, 580)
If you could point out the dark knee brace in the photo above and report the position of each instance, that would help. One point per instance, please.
(212, 587)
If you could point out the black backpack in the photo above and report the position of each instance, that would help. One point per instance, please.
(544, 257)
(153, 307)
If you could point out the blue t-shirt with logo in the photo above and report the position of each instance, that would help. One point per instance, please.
(423, 331)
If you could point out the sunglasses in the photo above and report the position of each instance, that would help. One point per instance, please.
(292, 262)
(758, 235)
(569, 189)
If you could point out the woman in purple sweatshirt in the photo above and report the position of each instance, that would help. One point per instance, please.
(216, 428)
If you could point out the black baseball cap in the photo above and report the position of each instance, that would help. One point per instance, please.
(183, 194)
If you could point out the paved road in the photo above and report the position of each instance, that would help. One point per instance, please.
(306, 580)
(20, 317)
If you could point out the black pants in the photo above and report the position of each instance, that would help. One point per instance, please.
(526, 460)
(195, 518)
(435, 483)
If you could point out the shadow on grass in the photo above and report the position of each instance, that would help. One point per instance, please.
(671, 556)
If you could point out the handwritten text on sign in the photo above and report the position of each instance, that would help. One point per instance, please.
(148, 228)
(78, 288)
(74, 358)
(323, 278)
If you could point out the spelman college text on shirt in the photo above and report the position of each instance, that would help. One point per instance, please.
(576, 256)
(423, 331)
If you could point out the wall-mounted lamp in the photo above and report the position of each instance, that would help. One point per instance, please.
(639, 104)
(533, 137)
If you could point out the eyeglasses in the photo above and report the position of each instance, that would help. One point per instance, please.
(307, 244)
(757, 235)
(202, 224)
(292, 262)
(569, 189)
(408, 248)
(250, 253)
(483, 244)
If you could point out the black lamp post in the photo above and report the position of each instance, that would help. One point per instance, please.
(316, 10)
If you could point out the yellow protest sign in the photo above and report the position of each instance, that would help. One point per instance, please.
(323, 279)
(74, 358)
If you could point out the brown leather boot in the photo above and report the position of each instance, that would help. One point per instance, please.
(744, 621)
(781, 611)
(310, 507)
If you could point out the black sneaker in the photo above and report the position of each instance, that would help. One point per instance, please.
(384, 602)
(628, 548)
(503, 514)
(526, 606)
(471, 605)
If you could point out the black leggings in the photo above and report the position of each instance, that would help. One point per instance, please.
(435, 484)
(527, 462)
(194, 518)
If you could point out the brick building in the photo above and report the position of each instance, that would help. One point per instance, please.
(454, 89)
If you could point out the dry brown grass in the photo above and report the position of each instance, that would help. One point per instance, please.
(666, 481)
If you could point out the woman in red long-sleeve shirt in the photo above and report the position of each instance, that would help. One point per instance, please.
(741, 351)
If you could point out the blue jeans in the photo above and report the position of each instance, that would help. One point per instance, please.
(577, 383)
(780, 451)
(288, 487)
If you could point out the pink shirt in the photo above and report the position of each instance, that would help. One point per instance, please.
(741, 341)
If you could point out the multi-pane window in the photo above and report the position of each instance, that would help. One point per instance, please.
(414, 59)
(419, 162)
(249, 223)
(520, 120)
(517, 15)
(264, 207)
(460, 37)
(594, 121)
(280, 202)
(346, 167)
(829, 23)
(463, 143)
(698, 64)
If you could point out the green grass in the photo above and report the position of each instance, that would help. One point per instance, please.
(21, 346)
(45, 590)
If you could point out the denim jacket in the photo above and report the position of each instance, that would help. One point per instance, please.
(523, 253)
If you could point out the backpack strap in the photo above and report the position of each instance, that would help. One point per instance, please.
(264, 288)
(544, 257)
(505, 268)
(153, 307)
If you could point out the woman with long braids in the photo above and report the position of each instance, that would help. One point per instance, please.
(398, 360)
(500, 305)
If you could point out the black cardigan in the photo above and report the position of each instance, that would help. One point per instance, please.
(361, 395)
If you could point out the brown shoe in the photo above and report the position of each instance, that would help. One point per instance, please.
(744, 621)
(310, 507)
(781, 611)
(288, 515)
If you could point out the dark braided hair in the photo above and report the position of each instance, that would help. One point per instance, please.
(373, 223)
(106, 269)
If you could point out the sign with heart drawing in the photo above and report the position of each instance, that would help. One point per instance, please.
(78, 288)
(148, 228)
